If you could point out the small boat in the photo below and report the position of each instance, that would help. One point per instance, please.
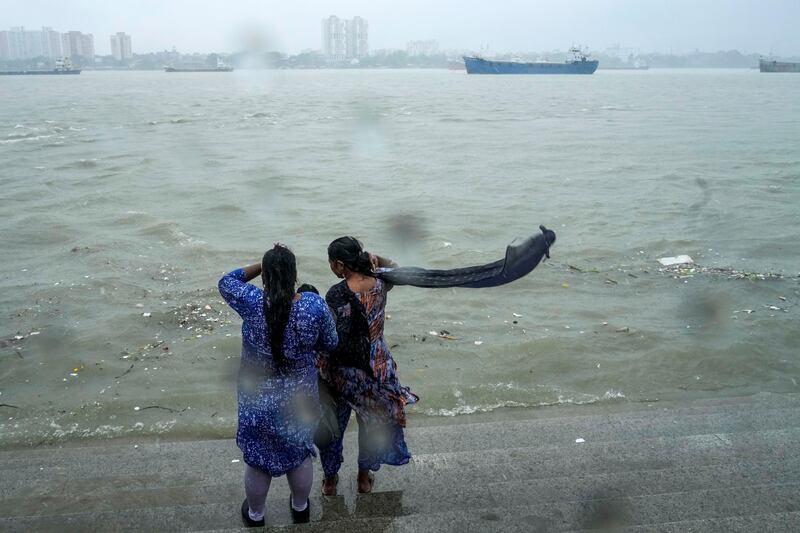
(63, 66)
(766, 65)
(577, 63)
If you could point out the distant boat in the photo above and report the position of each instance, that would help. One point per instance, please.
(198, 69)
(455, 65)
(765, 65)
(63, 66)
(577, 63)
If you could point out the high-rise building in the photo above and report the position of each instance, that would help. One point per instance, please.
(78, 45)
(344, 39)
(87, 44)
(356, 38)
(333, 40)
(121, 46)
(17, 43)
(51, 43)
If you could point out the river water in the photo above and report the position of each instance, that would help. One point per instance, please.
(125, 195)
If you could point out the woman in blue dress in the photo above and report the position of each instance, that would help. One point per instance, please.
(361, 372)
(277, 387)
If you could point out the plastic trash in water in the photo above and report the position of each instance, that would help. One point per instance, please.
(579, 440)
(677, 260)
(444, 334)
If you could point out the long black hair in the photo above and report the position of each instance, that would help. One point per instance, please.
(279, 273)
(349, 251)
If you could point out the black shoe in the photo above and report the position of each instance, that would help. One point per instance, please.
(249, 522)
(300, 517)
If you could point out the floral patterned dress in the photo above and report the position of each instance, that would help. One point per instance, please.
(378, 400)
(278, 411)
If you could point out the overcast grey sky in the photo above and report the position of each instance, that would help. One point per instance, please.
(763, 26)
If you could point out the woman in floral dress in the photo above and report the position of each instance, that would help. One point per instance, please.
(277, 389)
(362, 380)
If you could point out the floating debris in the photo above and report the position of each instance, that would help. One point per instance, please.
(146, 315)
(579, 440)
(677, 260)
(683, 271)
(126, 372)
(478, 343)
(443, 334)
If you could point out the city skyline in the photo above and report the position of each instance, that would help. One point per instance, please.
(677, 26)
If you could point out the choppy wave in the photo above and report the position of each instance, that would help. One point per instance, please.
(26, 138)
(463, 408)
(80, 163)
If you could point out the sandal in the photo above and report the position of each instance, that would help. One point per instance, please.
(371, 478)
(330, 489)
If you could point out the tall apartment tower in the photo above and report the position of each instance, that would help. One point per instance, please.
(51, 43)
(356, 38)
(17, 43)
(333, 39)
(121, 46)
(77, 44)
(344, 39)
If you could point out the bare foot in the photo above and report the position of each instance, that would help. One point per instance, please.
(329, 485)
(365, 481)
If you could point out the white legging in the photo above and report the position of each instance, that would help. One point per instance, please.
(256, 485)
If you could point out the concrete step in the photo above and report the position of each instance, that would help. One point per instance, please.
(382, 510)
(432, 490)
(555, 423)
(764, 523)
(474, 436)
(201, 467)
(701, 465)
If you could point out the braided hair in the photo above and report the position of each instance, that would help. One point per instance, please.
(349, 251)
(279, 273)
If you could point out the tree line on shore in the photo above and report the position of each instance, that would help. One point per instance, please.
(387, 59)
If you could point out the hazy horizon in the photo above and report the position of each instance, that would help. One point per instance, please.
(514, 26)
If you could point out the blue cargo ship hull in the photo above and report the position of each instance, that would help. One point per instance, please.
(477, 65)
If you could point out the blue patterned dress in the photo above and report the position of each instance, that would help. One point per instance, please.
(278, 412)
(378, 400)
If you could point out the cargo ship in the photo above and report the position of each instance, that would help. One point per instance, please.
(765, 65)
(63, 66)
(577, 63)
